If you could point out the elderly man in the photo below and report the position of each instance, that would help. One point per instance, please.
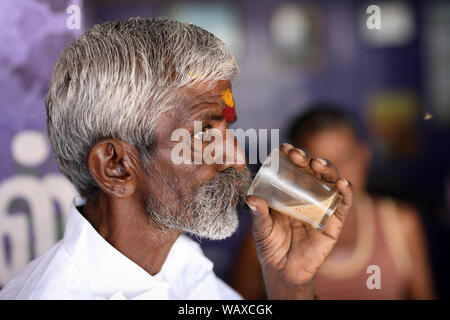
(116, 96)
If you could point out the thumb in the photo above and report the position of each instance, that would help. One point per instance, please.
(261, 219)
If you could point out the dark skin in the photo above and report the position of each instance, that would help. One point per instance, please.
(352, 157)
(290, 252)
(341, 146)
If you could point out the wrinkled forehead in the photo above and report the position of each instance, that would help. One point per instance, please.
(196, 102)
(207, 95)
(199, 92)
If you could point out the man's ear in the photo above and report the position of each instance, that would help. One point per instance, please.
(113, 164)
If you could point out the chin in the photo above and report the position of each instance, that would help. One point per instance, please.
(220, 229)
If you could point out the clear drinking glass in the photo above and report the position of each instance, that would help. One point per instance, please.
(294, 191)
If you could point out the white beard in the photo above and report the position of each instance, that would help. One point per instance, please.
(211, 213)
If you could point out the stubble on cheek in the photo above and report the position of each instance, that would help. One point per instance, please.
(169, 192)
(194, 198)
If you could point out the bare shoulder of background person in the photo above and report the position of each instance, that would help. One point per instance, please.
(421, 284)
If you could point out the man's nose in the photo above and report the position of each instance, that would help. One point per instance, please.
(233, 154)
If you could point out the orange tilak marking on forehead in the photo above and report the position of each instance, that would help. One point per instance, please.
(227, 97)
(228, 113)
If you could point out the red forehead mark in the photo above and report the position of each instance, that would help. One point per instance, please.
(229, 112)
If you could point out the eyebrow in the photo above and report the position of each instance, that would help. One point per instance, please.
(214, 115)
(211, 114)
(212, 101)
(197, 109)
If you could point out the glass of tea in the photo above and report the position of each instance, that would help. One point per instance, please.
(294, 191)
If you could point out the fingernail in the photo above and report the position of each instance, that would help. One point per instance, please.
(253, 208)
(301, 152)
(346, 182)
(322, 162)
(287, 145)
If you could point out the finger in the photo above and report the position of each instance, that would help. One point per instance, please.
(286, 148)
(325, 169)
(336, 222)
(300, 157)
(261, 219)
(347, 191)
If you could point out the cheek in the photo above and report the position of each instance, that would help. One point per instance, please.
(168, 191)
(177, 183)
(160, 184)
(188, 175)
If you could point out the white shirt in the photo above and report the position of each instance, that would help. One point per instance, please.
(83, 265)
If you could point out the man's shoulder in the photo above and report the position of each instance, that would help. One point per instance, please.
(52, 275)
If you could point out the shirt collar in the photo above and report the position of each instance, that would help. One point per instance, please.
(108, 271)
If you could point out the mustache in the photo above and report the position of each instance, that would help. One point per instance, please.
(211, 210)
(220, 194)
(230, 185)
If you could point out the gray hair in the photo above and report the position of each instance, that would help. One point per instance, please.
(117, 80)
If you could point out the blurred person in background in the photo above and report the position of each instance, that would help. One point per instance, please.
(379, 232)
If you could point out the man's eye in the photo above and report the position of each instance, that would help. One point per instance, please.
(200, 135)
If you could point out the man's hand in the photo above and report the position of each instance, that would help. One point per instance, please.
(290, 251)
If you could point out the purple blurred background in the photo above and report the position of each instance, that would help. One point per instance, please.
(291, 54)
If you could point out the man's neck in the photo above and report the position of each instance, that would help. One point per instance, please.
(125, 225)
